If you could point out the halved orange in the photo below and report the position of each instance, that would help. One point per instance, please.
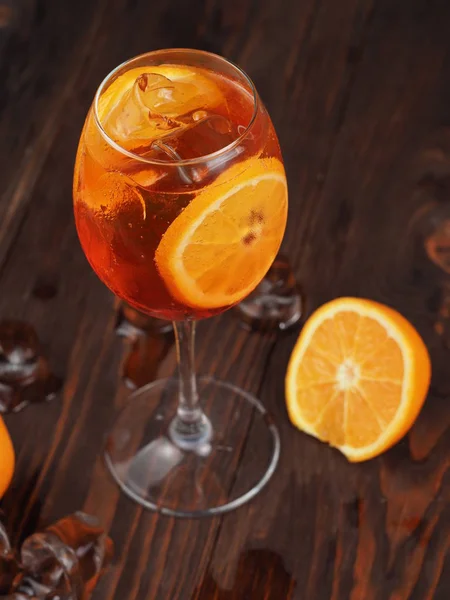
(7, 458)
(357, 377)
(222, 244)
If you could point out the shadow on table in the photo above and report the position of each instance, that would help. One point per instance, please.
(260, 574)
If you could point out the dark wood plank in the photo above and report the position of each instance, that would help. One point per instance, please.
(43, 51)
(359, 94)
(378, 530)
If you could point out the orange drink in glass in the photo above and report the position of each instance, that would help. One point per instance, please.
(180, 203)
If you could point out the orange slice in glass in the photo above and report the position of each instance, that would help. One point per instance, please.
(222, 244)
(357, 377)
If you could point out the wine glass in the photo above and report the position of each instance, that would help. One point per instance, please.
(180, 203)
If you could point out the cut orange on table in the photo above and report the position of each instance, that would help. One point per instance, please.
(222, 244)
(7, 460)
(357, 377)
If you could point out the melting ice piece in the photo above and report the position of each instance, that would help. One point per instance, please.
(5, 545)
(9, 566)
(142, 114)
(437, 245)
(25, 374)
(203, 134)
(163, 97)
(155, 105)
(199, 136)
(150, 340)
(65, 561)
(131, 323)
(276, 302)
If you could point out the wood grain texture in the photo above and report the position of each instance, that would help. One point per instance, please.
(359, 92)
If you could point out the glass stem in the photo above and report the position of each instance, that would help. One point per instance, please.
(190, 427)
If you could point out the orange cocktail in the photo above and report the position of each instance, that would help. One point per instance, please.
(133, 210)
(180, 203)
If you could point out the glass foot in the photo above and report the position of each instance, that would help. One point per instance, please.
(202, 480)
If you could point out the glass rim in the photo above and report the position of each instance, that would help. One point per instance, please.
(187, 161)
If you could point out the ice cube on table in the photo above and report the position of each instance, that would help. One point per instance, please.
(64, 561)
(25, 375)
(276, 303)
(9, 566)
(437, 245)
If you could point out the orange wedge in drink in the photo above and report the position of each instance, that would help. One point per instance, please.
(222, 244)
(357, 377)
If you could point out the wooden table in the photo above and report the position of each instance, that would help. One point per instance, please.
(359, 91)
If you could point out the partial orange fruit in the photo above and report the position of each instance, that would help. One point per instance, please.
(7, 459)
(222, 244)
(357, 377)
